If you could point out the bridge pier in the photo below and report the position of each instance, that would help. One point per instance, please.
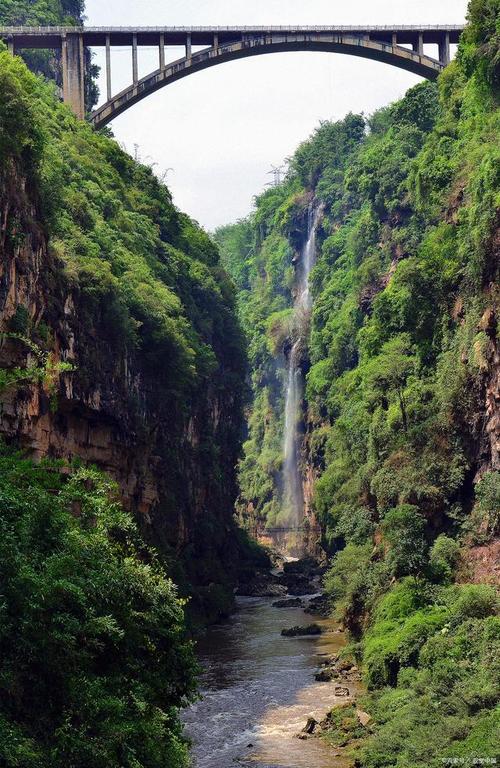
(135, 64)
(444, 49)
(109, 90)
(73, 66)
(162, 51)
(418, 44)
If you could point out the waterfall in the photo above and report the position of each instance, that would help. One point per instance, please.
(292, 480)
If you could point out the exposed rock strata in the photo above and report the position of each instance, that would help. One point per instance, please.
(111, 411)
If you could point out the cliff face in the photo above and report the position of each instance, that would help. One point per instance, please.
(492, 388)
(154, 394)
(401, 404)
(110, 412)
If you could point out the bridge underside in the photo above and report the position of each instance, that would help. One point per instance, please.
(397, 56)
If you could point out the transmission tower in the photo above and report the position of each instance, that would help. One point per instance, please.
(276, 172)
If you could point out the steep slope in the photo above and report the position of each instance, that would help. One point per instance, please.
(101, 274)
(400, 458)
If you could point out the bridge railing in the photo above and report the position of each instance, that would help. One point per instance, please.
(236, 28)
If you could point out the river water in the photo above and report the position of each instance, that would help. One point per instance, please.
(259, 689)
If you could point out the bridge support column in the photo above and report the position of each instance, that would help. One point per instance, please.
(162, 51)
(135, 65)
(444, 49)
(216, 41)
(189, 47)
(108, 67)
(73, 64)
(10, 45)
(418, 44)
(394, 40)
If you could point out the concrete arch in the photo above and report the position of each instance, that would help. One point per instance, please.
(256, 45)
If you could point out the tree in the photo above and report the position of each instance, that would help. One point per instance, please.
(404, 530)
(389, 372)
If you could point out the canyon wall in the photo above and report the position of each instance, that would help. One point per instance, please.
(137, 369)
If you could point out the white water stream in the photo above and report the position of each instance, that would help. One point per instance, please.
(292, 480)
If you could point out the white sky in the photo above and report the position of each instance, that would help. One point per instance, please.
(222, 129)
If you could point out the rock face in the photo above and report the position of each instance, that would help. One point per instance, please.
(111, 411)
(489, 325)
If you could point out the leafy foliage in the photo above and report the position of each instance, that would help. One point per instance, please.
(94, 660)
(439, 652)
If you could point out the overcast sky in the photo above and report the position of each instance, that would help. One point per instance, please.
(220, 130)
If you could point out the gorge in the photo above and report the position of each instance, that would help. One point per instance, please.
(321, 377)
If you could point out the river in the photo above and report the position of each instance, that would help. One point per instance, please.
(258, 690)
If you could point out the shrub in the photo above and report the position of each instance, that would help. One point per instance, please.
(443, 557)
(475, 601)
(404, 530)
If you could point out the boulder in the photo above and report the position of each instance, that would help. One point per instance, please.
(307, 565)
(363, 717)
(341, 691)
(290, 602)
(319, 605)
(325, 675)
(263, 585)
(311, 629)
(310, 725)
(296, 584)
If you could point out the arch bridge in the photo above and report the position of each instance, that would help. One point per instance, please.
(405, 47)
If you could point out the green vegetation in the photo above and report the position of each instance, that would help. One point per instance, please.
(150, 298)
(123, 245)
(342, 726)
(432, 656)
(93, 656)
(41, 12)
(50, 13)
(402, 348)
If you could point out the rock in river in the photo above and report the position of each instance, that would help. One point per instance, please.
(311, 629)
(290, 602)
(310, 725)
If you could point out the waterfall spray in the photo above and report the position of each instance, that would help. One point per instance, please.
(292, 480)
